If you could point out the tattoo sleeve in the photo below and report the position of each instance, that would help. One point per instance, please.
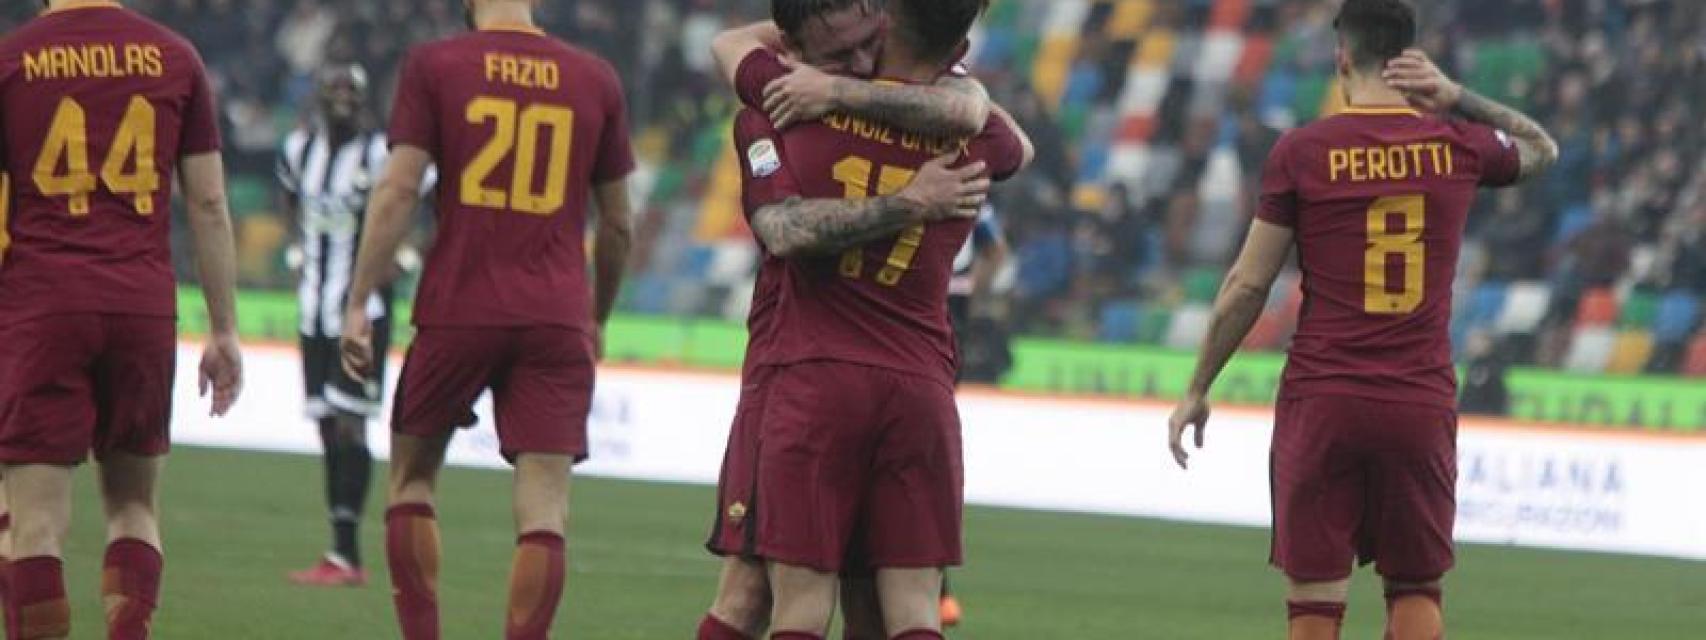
(1537, 148)
(821, 226)
(955, 107)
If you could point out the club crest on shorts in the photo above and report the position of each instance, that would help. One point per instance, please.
(737, 512)
(763, 158)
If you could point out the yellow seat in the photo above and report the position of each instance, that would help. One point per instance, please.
(1631, 352)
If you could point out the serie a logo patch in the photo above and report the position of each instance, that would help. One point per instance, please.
(763, 158)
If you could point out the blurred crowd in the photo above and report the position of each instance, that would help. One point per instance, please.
(1151, 119)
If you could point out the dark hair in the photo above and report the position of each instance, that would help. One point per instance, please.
(1376, 31)
(791, 15)
(935, 28)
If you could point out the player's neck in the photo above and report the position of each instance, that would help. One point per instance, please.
(898, 65)
(1372, 91)
(502, 15)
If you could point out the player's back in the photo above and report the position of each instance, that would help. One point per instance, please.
(521, 127)
(99, 105)
(883, 303)
(1378, 199)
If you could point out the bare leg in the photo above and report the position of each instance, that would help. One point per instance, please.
(40, 498)
(411, 532)
(804, 599)
(743, 596)
(911, 599)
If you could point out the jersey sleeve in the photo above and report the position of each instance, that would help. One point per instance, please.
(1501, 161)
(1278, 200)
(284, 168)
(766, 177)
(413, 116)
(615, 150)
(999, 147)
(201, 118)
(756, 71)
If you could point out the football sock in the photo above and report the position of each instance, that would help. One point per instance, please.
(919, 634)
(349, 474)
(130, 586)
(794, 635)
(1315, 620)
(38, 598)
(1414, 614)
(411, 550)
(710, 628)
(535, 585)
(350, 500)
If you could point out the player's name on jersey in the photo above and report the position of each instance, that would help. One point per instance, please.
(523, 71)
(878, 132)
(1390, 162)
(103, 60)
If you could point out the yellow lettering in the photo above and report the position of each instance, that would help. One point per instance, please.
(550, 76)
(1448, 169)
(1359, 165)
(1377, 164)
(1395, 163)
(1337, 160)
(491, 67)
(1439, 164)
(1415, 149)
(35, 66)
(57, 57)
(509, 69)
(155, 61)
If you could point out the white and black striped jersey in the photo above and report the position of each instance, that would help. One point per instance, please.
(331, 187)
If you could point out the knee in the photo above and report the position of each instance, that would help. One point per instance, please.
(745, 606)
(38, 536)
(1329, 591)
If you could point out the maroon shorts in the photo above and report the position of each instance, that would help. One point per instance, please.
(1361, 480)
(856, 462)
(540, 377)
(738, 481)
(75, 383)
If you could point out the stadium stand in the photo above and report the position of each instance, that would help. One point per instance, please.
(1151, 120)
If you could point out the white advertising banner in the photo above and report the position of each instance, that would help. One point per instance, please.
(1529, 486)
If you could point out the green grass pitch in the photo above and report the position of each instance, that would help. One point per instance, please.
(236, 522)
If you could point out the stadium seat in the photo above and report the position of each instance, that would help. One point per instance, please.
(1630, 353)
(1486, 304)
(1154, 323)
(1129, 19)
(1695, 365)
(1678, 312)
(1590, 350)
(1639, 311)
(1525, 306)
(1598, 308)
(1189, 326)
(1119, 321)
(1229, 15)
(1201, 285)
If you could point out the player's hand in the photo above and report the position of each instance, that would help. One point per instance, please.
(1422, 83)
(221, 372)
(939, 192)
(803, 95)
(356, 345)
(1191, 412)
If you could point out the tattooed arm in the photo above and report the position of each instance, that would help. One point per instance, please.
(1428, 88)
(801, 227)
(1536, 147)
(953, 107)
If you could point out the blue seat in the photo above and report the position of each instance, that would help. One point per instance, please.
(1120, 322)
(1678, 313)
(1485, 305)
(1576, 218)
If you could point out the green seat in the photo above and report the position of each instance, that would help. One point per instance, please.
(1152, 324)
(1639, 311)
(1201, 285)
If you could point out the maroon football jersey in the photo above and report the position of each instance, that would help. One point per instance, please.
(759, 188)
(884, 303)
(521, 126)
(99, 104)
(1378, 199)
